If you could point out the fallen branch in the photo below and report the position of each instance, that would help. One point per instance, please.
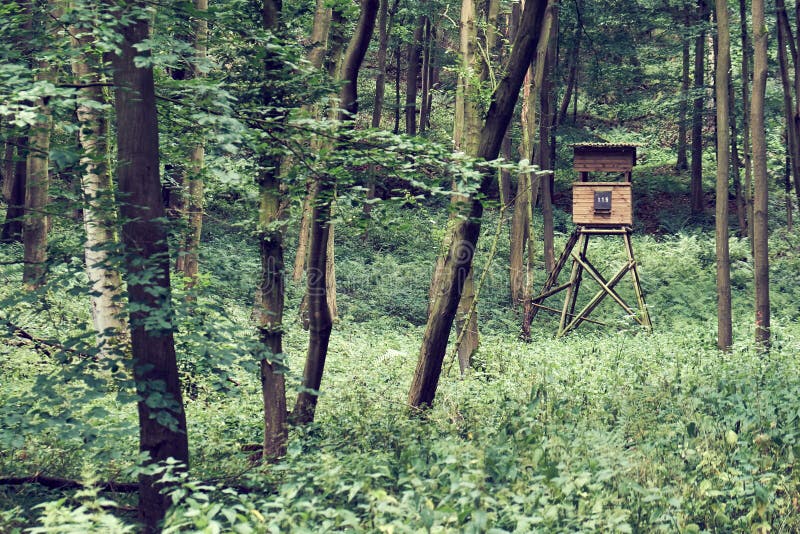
(66, 483)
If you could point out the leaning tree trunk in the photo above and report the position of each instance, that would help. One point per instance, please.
(99, 209)
(760, 182)
(162, 420)
(320, 319)
(724, 326)
(696, 194)
(464, 236)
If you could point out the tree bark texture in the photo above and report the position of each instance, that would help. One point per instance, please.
(464, 236)
(162, 420)
(760, 179)
(724, 324)
(792, 134)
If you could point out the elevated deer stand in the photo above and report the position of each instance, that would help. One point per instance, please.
(599, 209)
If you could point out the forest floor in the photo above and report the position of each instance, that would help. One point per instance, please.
(607, 429)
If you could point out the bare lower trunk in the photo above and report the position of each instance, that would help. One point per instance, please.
(543, 157)
(760, 178)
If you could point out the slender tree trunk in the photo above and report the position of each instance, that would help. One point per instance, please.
(14, 189)
(696, 196)
(722, 81)
(741, 210)
(683, 105)
(464, 236)
(189, 253)
(37, 188)
(760, 182)
(412, 73)
(319, 43)
(269, 301)
(572, 76)
(397, 78)
(162, 420)
(543, 157)
(746, 148)
(521, 273)
(792, 134)
(100, 208)
(426, 72)
(320, 318)
(787, 182)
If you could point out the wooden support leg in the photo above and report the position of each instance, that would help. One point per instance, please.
(553, 277)
(572, 288)
(637, 287)
(594, 302)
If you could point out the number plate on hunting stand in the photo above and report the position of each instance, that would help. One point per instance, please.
(602, 201)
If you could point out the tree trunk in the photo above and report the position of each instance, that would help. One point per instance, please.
(521, 273)
(572, 76)
(464, 236)
(14, 189)
(696, 194)
(724, 325)
(412, 73)
(37, 189)
(683, 105)
(319, 42)
(162, 420)
(741, 209)
(269, 301)
(760, 183)
(543, 157)
(397, 77)
(792, 134)
(189, 252)
(320, 318)
(99, 219)
(426, 72)
(746, 148)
